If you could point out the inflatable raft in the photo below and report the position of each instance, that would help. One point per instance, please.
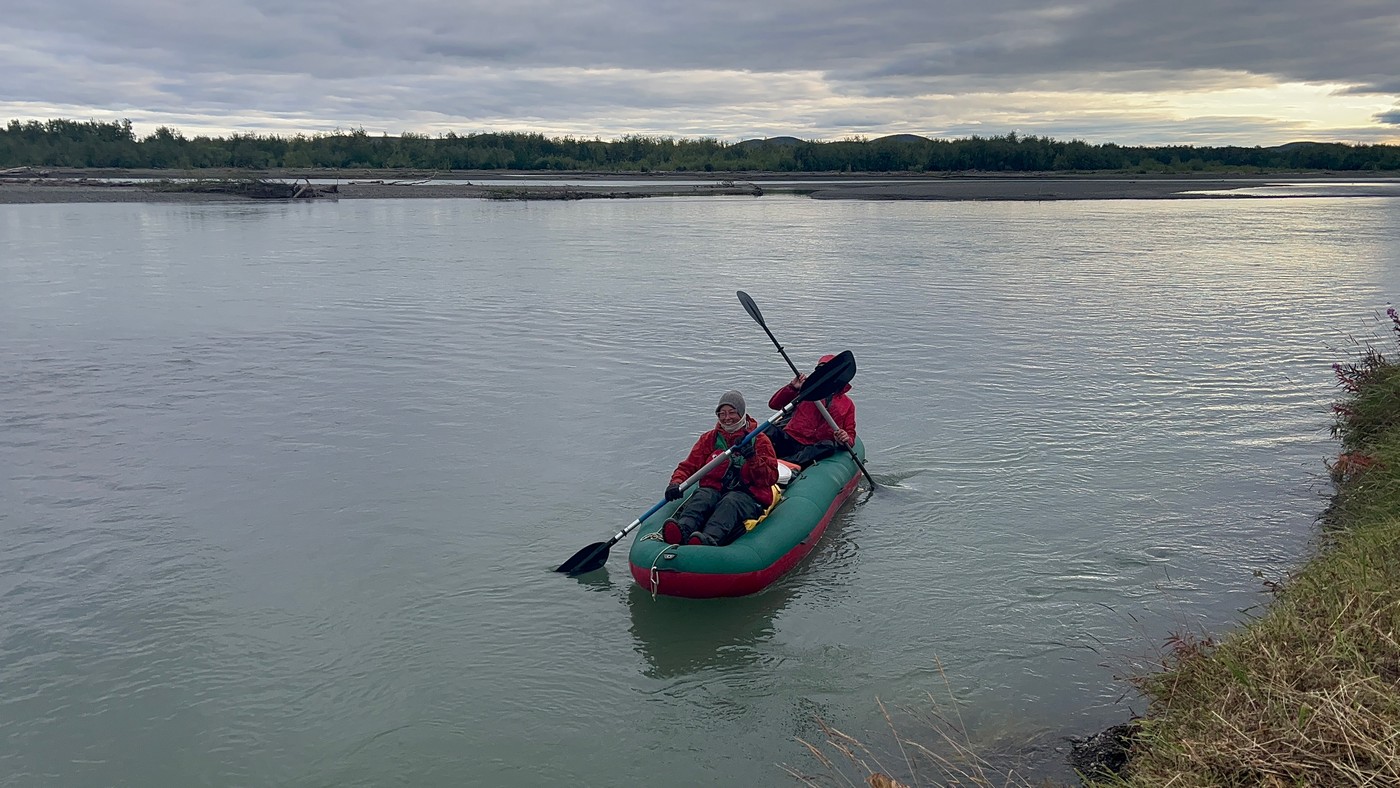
(750, 563)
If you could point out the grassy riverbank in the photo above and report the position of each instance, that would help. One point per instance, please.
(1309, 694)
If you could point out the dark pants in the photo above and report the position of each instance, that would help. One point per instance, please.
(801, 453)
(717, 517)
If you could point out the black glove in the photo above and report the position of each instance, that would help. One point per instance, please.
(673, 492)
(743, 450)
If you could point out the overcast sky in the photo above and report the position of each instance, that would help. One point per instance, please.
(1203, 72)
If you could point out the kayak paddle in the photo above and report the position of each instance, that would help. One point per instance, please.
(752, 309)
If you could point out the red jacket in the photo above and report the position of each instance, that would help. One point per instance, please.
(760, 472)
(807, 425)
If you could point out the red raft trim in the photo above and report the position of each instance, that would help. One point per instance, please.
(704, 585)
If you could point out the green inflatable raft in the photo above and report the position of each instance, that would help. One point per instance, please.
(757, 558)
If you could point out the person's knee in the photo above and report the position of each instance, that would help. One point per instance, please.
(722, 531)
(736, 503)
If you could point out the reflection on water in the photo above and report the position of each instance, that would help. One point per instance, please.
(680, 637)
(1311, 189)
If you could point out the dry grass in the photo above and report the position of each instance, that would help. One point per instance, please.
(1309, 694)
(947, 757)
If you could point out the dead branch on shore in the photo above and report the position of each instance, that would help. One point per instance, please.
(23, 172)
(252, 188)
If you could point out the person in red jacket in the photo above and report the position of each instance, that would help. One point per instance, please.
(735, 491)
(807, 438)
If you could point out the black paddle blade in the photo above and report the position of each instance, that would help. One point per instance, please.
(751, 308)
(829, 378)
(586, 560)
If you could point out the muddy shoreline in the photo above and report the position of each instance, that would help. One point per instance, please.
(36, 185)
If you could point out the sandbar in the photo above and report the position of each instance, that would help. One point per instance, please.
(29, 186)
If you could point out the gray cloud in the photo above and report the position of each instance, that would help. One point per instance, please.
(816, 68)
(1136, 46)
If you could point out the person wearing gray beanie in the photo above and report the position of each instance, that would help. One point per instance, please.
(734, 400)
(735, 491)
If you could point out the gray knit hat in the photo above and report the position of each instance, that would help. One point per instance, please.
(734, 400)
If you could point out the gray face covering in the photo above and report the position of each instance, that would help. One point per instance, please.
(740, 428)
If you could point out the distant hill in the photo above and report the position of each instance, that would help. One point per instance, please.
(901, 138)
(787, 142)
(778, 142)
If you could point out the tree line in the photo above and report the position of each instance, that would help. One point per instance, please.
(100, 144)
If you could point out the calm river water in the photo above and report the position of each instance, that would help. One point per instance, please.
(282, 486)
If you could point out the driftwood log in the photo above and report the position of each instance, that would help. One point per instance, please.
(252, 188)
(23, 172)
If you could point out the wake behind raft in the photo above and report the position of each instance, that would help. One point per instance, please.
(776, 543)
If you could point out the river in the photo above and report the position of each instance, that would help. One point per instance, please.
(282, 485)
